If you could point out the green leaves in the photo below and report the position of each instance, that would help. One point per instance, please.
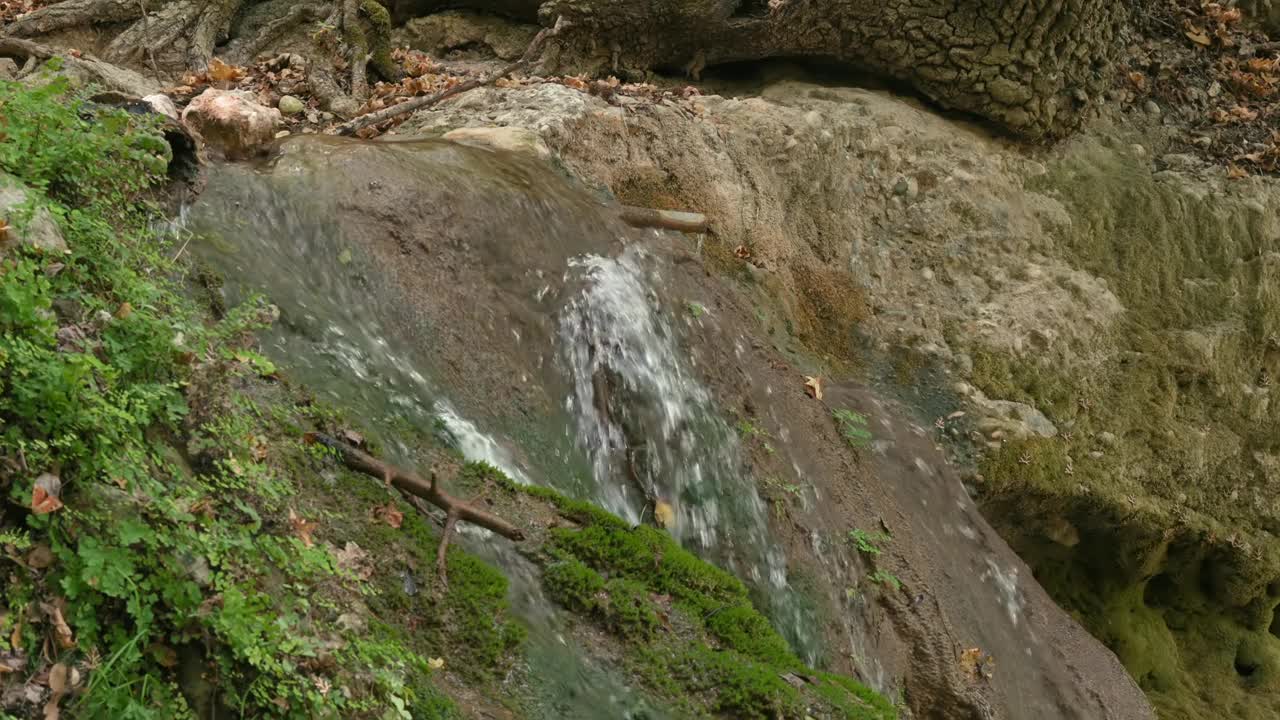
(853, 426)
(82, 155)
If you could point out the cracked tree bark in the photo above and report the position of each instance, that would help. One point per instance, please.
(1033, 66)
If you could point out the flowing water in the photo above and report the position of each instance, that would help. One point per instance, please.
(529, 260)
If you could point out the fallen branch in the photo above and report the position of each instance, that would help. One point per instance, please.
(531, 53)
(666, 219)
(427, 489)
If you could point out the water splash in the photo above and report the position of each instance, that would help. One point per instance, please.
(655, 437)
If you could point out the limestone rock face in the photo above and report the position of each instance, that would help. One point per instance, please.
(231, 122)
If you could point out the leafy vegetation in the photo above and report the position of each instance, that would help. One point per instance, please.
(866, 542)
(853, 426)
(150, 462)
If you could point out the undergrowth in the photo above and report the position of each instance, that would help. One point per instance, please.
(151, 564)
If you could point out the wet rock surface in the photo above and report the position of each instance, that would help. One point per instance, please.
(476, 301)
(1083, 290)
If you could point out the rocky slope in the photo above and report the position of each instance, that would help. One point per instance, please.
(1089, 332)
(1103, 311)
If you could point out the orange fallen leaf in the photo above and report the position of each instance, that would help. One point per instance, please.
(813, 386)
(45, 495)
(221, 72)
(1235, 172)
(4, 231)
(302, 528)
(389, 515)
(124, 311)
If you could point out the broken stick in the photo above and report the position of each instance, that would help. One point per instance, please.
(531, 53)
(689, 222)
(427, 489)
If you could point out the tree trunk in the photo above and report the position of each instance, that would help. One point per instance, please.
(1033, 66)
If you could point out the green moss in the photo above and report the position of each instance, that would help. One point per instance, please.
(1161, 539)
(573, 584)
(726, 658)
(741, 687)
(379, 40)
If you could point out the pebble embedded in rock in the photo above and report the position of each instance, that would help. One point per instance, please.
(1152, 108)
(290, 105)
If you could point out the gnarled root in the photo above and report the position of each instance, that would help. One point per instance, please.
(75, 13)
(182, 34)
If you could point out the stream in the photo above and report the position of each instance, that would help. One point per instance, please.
(490, 298)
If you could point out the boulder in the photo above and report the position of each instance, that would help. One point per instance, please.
(521, 141)
(232, 122)
(32, 228)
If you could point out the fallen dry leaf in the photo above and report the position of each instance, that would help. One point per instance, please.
(65, 639)
(221, 72)
(355, 560)
(302, 528)
(664, 514)
(353, 437)
(59, 677)
(976, 663)
(40, 557)
(435, 663)
(389, 515)
(1198, 36)
(45, 496)
(813, 386)
(4, 230)
(1235, 172)
(124, 311)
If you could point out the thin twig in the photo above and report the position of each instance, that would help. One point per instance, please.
(531, 53)
(183, 248)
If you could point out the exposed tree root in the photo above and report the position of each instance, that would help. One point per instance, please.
(427, 489)
(109, 76)
(182, 34)
(358, 47)
(74, 13)
(533, 52)
(244, 50)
